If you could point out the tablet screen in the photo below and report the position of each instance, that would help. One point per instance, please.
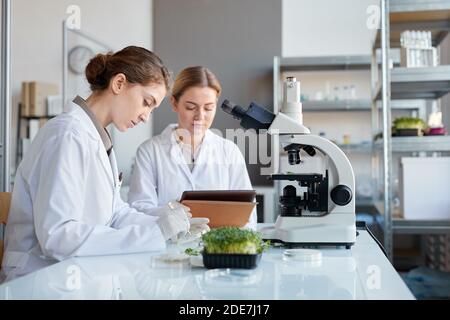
(220, 195)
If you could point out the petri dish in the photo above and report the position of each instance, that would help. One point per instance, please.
(232, 277)
(171, 260)
(196, 261)
(302, 255)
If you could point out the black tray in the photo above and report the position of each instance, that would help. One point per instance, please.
(228, 260)
(407, 133)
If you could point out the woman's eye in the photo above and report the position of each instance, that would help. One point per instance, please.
(146, 104)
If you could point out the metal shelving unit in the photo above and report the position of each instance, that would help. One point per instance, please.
(403, 83)
(336, 105)
(432, 15)
(326, 63)
(418, 144)
(363, 147)
(357, 105)
(355, 62)
(418, 83)
(5, 97)
(421, 226)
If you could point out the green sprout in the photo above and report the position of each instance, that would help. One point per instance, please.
(192, 252)
(409, 123)
(233, 240)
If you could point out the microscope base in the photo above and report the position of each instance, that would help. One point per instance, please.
(330, 230)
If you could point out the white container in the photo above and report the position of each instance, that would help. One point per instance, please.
(426, 188)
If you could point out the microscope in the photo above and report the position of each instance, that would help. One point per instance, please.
(323, 213)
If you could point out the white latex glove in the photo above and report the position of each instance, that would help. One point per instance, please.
(174, 224)
(171, 207)
(198, 225)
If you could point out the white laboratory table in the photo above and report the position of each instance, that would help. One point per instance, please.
(363, 272)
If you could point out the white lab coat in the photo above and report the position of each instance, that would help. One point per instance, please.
(161, 174)
(66, 201)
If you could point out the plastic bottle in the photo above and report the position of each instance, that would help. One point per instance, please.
(346, 139)
(327, 90)
(345, 93)
(353, 92)
(336, 93)
(416, 39)
(422, 40)
(406, 40)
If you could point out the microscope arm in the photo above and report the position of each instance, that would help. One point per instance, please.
(343, 167)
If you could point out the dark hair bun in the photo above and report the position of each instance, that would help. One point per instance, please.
(138, 64)
(95, 71)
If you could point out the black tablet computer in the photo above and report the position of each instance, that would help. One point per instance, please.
(220, 195)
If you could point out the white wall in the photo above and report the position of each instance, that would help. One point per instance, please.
(37, 49)
(325, 27)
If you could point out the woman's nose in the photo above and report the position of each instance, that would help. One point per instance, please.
(200, 114)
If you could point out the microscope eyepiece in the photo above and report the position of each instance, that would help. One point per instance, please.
(255, 117)
(228, 106)
(236, 111)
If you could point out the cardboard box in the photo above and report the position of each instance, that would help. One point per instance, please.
(426, 188)
(25, 101)
(38, 92)
(221, 213)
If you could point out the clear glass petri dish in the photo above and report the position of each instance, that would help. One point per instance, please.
(171, 260)
(232, 277)
(302, 255)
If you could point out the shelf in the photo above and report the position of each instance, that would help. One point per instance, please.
(424, 15)
(364, 147)
(358, 62)
(358, 105)
(418, 144)
(336, 105)
(37, 117)
(406, 226)
(406, 104)
(418, 7)
(418, 83)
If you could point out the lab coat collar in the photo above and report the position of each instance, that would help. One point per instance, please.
(169, 139)
(104, 134)
(86, 122)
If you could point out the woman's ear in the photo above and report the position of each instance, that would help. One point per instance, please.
(174, 103)
(118, 83)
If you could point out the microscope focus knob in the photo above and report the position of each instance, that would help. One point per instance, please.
(341, 195)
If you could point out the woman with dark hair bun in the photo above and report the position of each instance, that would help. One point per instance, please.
(66, 199)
